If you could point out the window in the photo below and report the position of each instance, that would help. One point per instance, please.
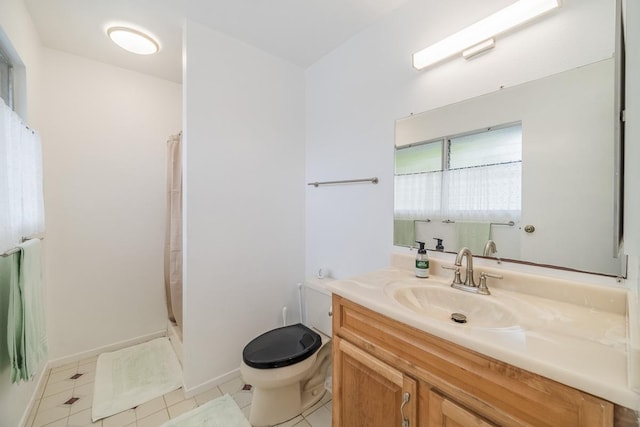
(474, 176)
(6, 80)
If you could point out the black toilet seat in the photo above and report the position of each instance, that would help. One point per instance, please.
(281, 347)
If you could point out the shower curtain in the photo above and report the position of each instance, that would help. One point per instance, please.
(173, 239)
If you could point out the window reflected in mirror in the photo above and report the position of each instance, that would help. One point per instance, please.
(456, 188)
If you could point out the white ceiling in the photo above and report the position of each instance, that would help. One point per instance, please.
(300, 31)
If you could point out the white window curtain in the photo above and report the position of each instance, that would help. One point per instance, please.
(483, 193)
(21, 197)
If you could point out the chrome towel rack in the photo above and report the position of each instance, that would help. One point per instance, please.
(510, 223)
(17, 249)
(373, 180)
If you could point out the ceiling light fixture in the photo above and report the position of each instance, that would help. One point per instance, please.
(483, 31)
(133, 40)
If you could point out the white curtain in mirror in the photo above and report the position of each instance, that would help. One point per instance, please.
(22, 207)
(483, 193)
(417, 195)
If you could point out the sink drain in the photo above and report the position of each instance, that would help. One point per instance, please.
(458, 317)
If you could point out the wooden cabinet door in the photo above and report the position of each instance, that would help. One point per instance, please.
(446, 413)
(368, 392)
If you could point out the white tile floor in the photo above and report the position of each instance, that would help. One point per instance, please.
(53, 408)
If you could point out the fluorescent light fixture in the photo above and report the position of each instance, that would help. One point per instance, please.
(509, 17)
(133, 40)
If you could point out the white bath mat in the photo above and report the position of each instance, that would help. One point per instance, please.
(132, 376)
(220, 412)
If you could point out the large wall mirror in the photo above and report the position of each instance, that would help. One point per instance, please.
(564, 173)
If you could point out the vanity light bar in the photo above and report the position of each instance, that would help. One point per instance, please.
(478, 49)
(482, 31)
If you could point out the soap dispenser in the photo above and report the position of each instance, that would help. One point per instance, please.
(439, 246)
(422, 262)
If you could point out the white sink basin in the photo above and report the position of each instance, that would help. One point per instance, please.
(441, 301)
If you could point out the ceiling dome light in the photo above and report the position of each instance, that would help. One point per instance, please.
(133, 40)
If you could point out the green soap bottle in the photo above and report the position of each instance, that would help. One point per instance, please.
(422, 262)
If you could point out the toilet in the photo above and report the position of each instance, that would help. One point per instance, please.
(288, 366)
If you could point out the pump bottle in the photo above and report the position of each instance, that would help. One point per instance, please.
(422, 262)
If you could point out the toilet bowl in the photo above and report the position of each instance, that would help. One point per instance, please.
(287, 366)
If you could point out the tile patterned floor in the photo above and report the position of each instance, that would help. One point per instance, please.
(66, 398)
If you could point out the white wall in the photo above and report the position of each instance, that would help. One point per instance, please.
(104, 132)
(355, 94)
(244, 192)
(17, 29)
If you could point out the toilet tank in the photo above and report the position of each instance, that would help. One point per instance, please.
(316, 311)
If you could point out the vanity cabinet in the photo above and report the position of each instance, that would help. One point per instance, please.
(377, 361)
(360, 371)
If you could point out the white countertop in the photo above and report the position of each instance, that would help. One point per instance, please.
(582, 346)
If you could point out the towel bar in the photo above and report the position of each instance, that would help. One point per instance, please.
(17, 249)
(373, 180)
(510, 223)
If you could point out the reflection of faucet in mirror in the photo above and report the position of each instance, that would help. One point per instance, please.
(489, 248)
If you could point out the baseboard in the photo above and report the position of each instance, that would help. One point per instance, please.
(208, 385)
(111, 347)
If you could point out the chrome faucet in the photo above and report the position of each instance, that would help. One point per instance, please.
(466, 252)
(469, 284)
